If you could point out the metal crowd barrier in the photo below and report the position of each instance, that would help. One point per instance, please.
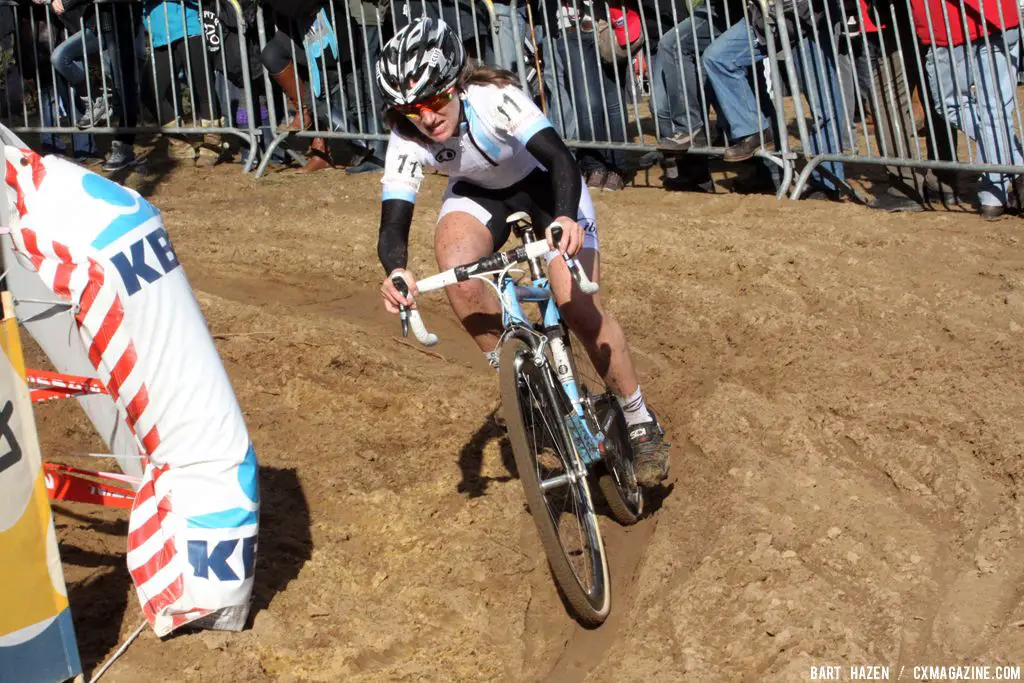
(600, 107)
(818, 73)
(603, 110)
(975, 85)
(116, 48)
(342, 42)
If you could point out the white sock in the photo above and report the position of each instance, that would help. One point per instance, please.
(634, 408)
(492, 358)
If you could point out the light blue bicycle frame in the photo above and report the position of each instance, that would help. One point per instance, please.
(588, 445)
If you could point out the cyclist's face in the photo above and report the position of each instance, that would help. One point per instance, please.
(440, 119)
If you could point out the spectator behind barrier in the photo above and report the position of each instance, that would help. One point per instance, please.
(973, 82)
(117, 28)
(71, 58)
(504, 18)
(593, 87)
(303, 37)
(727, 59)
(178, 47)
(681, 96)
(875, 80)
(469, 19)
(362, 94)
(55, 100)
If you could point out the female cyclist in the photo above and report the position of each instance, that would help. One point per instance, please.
(501, 155)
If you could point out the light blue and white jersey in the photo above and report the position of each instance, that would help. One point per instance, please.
(489, 149)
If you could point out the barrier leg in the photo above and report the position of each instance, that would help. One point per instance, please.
(804, 176)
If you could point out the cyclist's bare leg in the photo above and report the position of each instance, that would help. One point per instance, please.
(461, 238)
(596, 328)
(606, 344)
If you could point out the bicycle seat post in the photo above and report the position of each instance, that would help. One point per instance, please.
(522, 228)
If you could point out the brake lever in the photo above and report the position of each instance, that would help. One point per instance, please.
(585, 285)
(403, 310)
(410, 317)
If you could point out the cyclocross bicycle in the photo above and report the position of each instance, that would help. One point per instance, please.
(565, 426)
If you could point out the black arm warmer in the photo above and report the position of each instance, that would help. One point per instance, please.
(566, 180)
(393, 239)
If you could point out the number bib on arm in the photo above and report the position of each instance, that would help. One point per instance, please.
(488, 151)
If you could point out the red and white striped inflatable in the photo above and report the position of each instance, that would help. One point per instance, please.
(194, 523)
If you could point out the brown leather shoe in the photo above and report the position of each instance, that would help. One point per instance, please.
(744, 148)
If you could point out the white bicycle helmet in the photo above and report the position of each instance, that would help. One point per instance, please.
(423, 59)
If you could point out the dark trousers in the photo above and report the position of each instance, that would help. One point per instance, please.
(164, 96)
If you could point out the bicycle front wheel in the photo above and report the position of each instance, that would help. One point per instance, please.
(554, 481)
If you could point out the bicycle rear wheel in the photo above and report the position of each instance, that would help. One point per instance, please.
(617, 481)
(554, 481)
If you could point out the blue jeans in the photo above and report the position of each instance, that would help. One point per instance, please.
(597, 101)
(983, 110)
(559, 102)
(82, 144)
(726, 62)
(819, 81)
(680, 99)
(69, 57)
(506, 43)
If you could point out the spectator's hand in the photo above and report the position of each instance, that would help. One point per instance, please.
(572, 236)
(58, 6)
(392, 297)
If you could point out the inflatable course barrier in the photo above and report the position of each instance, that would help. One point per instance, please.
(99, 287)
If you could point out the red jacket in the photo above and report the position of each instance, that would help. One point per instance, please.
(867, 17)
(978, 23)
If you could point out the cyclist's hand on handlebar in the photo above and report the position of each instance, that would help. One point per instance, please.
(572, 236)
(392, 297)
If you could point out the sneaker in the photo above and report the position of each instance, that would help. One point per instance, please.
(208, 157)
(96, 113)
(122, 155)
(680, 142)
(650, 453)
(613, 181)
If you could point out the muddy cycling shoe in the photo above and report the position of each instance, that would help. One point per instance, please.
(650, 453)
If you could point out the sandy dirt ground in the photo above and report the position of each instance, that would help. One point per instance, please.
(842, 388)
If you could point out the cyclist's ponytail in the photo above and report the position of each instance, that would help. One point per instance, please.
(478, 73)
